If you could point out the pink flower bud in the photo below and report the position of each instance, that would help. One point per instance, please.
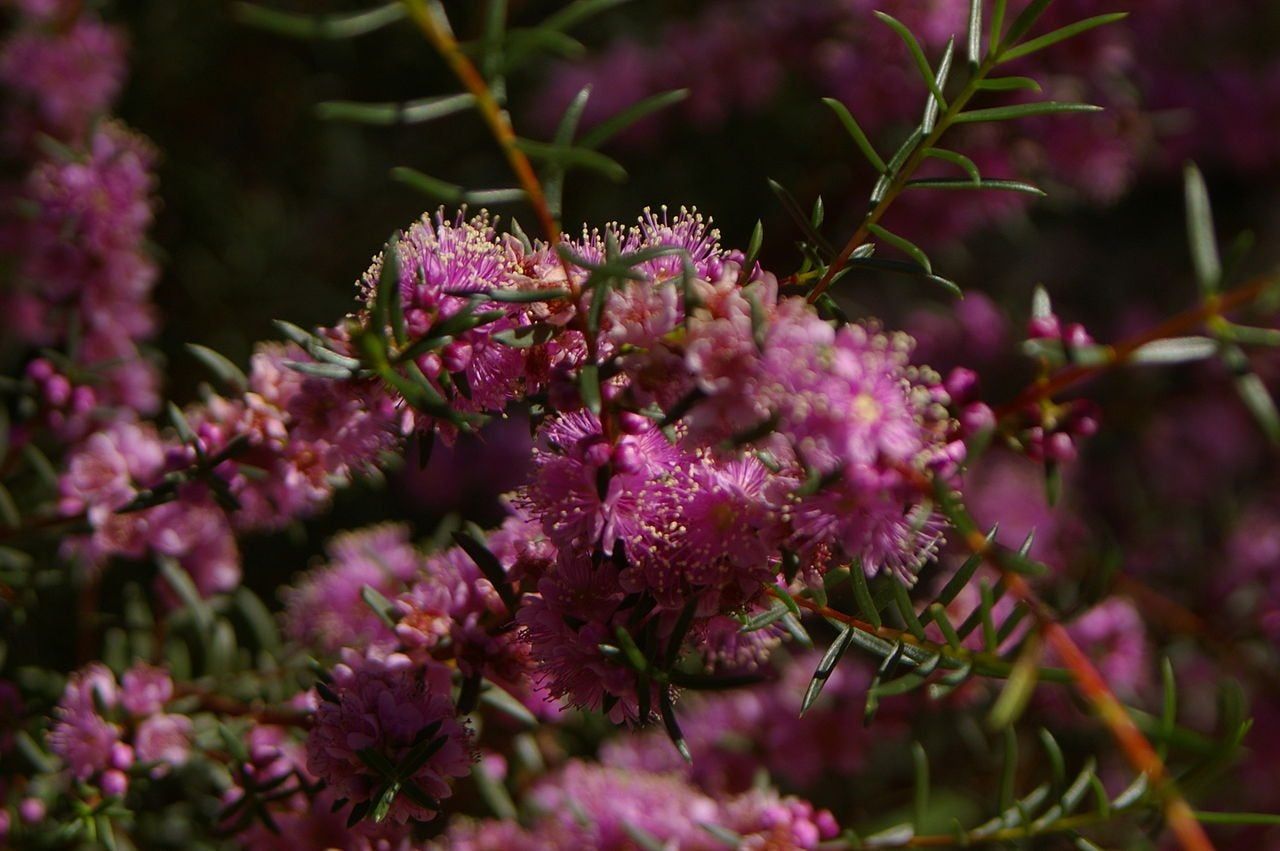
(430, 364)
(961, 384)
(57, 390)
(633, 423)
(1044, 328)
(456, 356)
(598, 453)
(40, 370)
(976, 417)
(626, 457)
(32, 810)
(1077, 337)
(114, 784)
(1060, 447)
(121, 756)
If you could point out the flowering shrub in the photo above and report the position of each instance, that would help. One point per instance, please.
(766, 572)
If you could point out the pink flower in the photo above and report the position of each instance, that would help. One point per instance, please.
(387, 705)
(144, 689)
(164, 739)
(81, 736)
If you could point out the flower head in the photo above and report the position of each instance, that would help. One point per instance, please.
(389, 709)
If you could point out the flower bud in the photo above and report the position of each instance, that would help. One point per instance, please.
(1060, 447)
(598, 453)
(961, 384)
(1077, 337)
(633, 423)
(626, 457)
(976, 417)
(456, 356)
(114, 784)
(121, 756)
(1044, 328)
(32, 810)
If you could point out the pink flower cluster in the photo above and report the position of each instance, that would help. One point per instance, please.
(270, 455)
(592, 806)
(80, 275)
(789, 437)
(106, 729)
(387, 709)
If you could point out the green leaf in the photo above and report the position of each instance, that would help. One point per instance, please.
(615, 124)
(382, 808)
(896, 162)
(180, 581)
(1007, 84)
(902, 598)
(974, 33)
(492, 46)
(913, 46)
(1025, 21)
(988, 183)
(1061, 34)
(358, 812)
(589, 387)
(1023, 110)
(856, 133)
(862, 595)
(1249, 335)
(1057, 763)
(259, 619)
(960, 160)
(387, 114)
(903, 267)
(931, 106)
(724, 834)
(450, 193)
(1200, 231)
(753, 246)
(1018, 688)
(1041, 305)
(223, 369)
(574, 157)
(826, 666)
(920, 799)
(1211, 817)
(501, 700)
(643, 839)
(996, 33)
(672, 726)
(525, 336)
(577, 12)
(678, 632)
(379, 604)
(904, 245)
(938, 614)
(1173, 350)
(1008, 768)
(387, 309)
(768, 617)
(330, 371)
(318, 26)
(796, 212)
(553, 181)
(1169, 703)
(524, 43)
(1258, 400)
(9, 513)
